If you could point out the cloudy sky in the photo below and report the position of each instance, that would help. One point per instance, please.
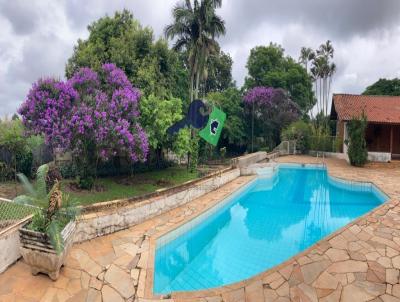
(37, 37)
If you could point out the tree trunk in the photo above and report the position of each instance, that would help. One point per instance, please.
(191, 85)
(196, 95)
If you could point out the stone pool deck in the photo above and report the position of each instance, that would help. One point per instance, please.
(360, 262)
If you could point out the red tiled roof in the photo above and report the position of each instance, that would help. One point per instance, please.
(380, 109)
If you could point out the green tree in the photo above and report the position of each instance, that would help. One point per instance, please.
(195, 27)
(384, 87)
(19, 146)
(218, 76)
(300, 131)
(157, 115)
(150, 65)
(306, 56)
(234, 132)
(268, 66)
(357, 146)
(182, 143)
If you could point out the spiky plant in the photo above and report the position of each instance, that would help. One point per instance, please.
(55, 209)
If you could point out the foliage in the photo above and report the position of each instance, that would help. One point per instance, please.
(326, 143)
(182, 143)
(157, 115)
(6, 172)
(222, 152)
(56, 209)
(67, 170)
(268, 66)
(306, 56)
(16, 148)
(11, 135)
(149, 65)
(194, 153)
(195, 28)
(272, 110)
(53, 176)
(234, 131)
(357, 146)
(384, 87)
(95, 115)
(218, 75)
(300, 131)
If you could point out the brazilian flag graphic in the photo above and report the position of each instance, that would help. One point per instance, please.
(212, 131)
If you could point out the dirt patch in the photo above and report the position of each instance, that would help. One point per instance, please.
(132, 180)
(74, 187)
(10, 190)
(164, 183)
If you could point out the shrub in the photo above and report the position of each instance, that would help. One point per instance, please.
(357, 146)
(56, 209)
(299, 131)
(15, 149)
(6, 172)
(53, 176)
(325, 143)
(94, 115)
(67, 170)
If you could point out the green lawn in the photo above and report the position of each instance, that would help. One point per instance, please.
(111, 188)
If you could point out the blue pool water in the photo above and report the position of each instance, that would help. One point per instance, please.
(262, 225)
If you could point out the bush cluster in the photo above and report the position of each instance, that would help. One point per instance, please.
(357, 146)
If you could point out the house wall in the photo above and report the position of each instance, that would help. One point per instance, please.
(378, 149)
(378, 137)
(396, 140)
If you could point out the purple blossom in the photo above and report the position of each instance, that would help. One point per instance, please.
(260, 95)
(88, 109)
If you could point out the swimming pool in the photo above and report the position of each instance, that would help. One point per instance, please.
(268, 221)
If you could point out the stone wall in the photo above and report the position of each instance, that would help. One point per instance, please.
(116, 218)
(246, 160)
(9, 245)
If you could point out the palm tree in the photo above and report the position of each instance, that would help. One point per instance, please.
(195, 28)
(323, 70)
(326, 49)
(306, 55)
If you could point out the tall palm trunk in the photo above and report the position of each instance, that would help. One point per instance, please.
(321, 92)
(191, 85)
(196, 93)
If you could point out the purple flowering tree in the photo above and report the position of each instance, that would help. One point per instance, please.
(271, 109)
(93, 115)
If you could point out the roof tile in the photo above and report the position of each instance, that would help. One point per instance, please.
(380, 109)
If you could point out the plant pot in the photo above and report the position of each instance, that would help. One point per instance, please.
(38, 252)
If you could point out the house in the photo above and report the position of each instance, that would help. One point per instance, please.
(383, 116)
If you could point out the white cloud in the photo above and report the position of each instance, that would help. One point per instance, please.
(37, 37)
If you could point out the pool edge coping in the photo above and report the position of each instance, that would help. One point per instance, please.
(149, 278)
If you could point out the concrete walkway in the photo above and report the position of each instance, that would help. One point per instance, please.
(360, 262)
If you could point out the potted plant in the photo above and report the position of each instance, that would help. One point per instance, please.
(47, 238)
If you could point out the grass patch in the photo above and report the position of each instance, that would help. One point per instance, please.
(111, 188)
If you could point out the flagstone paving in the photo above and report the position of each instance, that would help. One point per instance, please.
(360, 262)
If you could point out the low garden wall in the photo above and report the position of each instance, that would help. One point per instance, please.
(9, 245)
(246, 160)
(108, 217)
